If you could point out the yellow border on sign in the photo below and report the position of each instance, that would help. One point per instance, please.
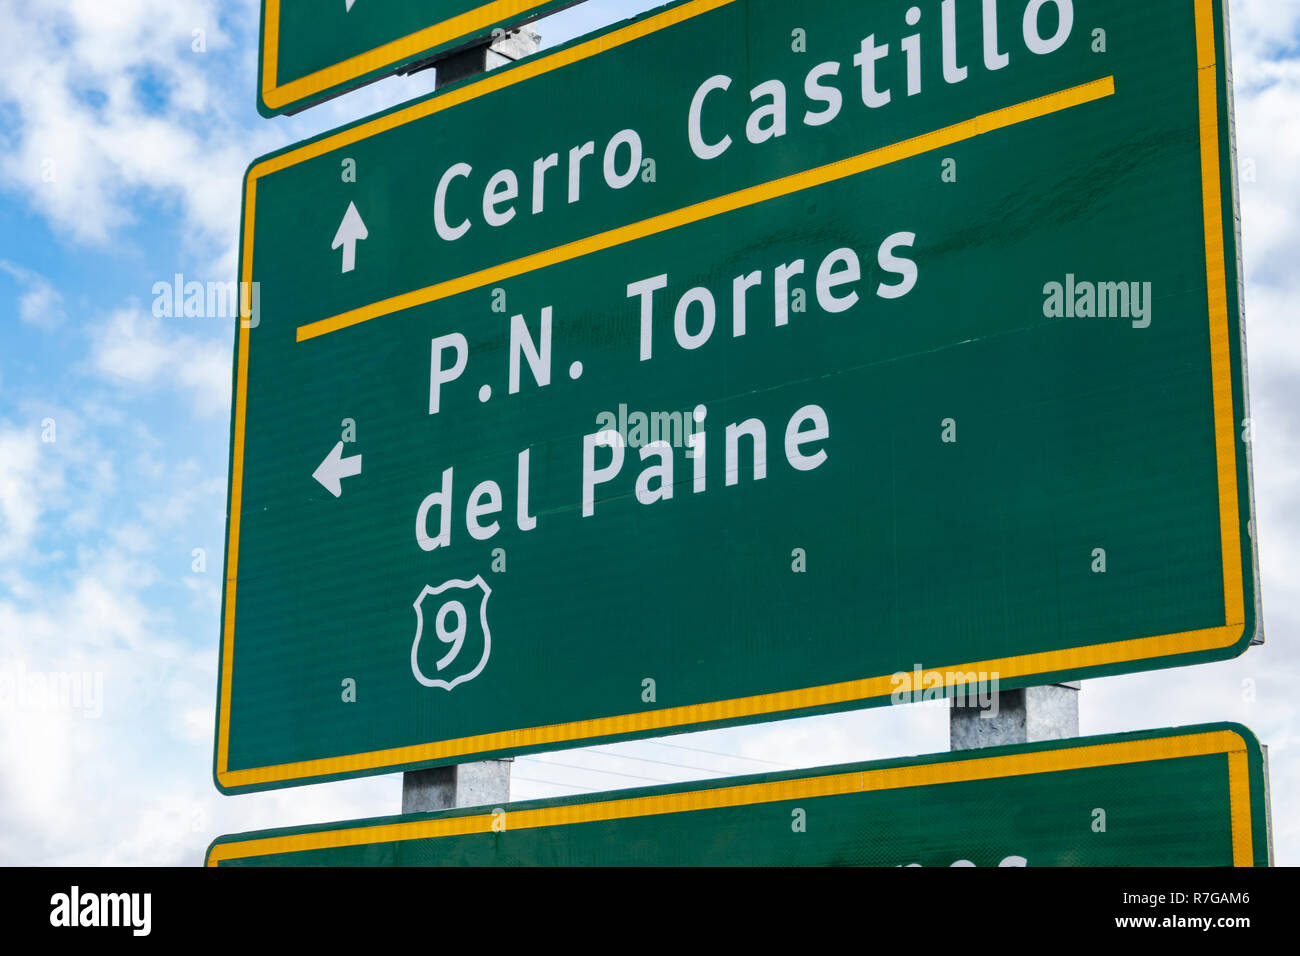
(697, 212)
(462, 26)
(803, 788)
(828, 695)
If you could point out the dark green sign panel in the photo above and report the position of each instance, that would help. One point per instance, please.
(1188, 797)
(312, 50)
(782, 358)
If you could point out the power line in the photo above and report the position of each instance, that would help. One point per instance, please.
(632, 776)
(715, 753)
(664, 763)
(616, 773)
(547, 783)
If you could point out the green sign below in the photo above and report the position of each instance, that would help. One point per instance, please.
(764, 368)
(312, 50)
(1188, 797)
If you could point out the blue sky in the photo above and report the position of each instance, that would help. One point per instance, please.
(122, 147)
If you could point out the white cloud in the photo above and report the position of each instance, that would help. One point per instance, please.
(128, 780)
(111, 104)
(135, 349)
(108, 106)
(40, 304)
(132, 785)
(31, 480)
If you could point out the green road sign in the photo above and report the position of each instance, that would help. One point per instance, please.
(312, 50)
(753, 372)
(1188, 797)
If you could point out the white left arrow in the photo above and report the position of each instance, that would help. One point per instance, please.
(335, 468)
(351, 230)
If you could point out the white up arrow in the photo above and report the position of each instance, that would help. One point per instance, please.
(336, 467)
(351, 229)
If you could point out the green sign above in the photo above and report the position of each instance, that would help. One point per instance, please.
(1188, 797)
(312, 50)
(780, 359)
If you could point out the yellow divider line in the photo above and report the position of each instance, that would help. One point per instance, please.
(784, 186)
